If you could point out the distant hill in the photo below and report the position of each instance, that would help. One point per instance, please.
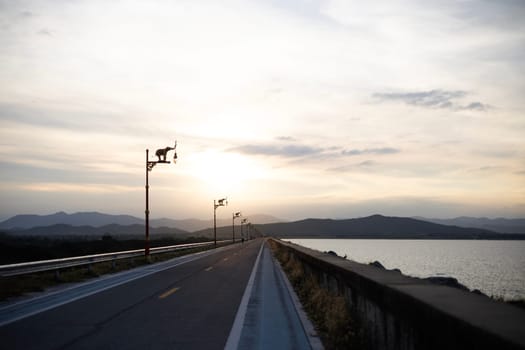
(95, 219)
(90, 232)
(500, 225)
(224, 232)
(193, 225)
(77, 219)
(375, 226)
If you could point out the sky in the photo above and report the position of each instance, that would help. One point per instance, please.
(314, 108)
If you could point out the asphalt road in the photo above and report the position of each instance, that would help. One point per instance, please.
(189, 306)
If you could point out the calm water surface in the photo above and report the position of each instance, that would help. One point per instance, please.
(497, 268)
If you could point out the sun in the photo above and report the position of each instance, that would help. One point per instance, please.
(224, 173)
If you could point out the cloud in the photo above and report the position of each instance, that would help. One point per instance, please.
(70, 118)
(476, 106)
(366, 163)
(432, 98)
(357, 152)
(51, 170)
(287, 81)
(489, 168)
(438, 99)
(499, 14)
(497, 153)
(26, 14)
(55, 187)
(288, 151)
(361, 166)
(285, 138)
(301, 150)
(44, 32)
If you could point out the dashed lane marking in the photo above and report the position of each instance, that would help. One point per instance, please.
(168, 293)
(209, 268)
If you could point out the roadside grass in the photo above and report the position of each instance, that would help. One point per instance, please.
(519, 303)
(17, 249)
(15, 286)
(329, 313)
(516, 302)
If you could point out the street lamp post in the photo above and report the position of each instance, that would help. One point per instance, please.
(234, 216)
(249, 230)
(219, 203)
(243, 221)
(161, 154)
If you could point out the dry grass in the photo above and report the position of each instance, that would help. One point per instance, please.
(329, 313)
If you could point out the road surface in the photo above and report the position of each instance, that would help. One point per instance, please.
(188, 303)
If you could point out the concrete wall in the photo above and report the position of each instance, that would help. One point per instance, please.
(400, 312)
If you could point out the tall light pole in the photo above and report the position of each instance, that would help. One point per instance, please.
(219, 203)
(234, 216)
(243, 221)
(161, 154)
(248, 230)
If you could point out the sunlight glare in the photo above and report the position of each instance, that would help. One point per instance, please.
(224, 173)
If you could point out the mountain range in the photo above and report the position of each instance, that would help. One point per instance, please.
(93, 224)
(95, 219)
(91, 232)
(500, 225)
(375, 226)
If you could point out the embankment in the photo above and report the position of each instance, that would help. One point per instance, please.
(401, 312)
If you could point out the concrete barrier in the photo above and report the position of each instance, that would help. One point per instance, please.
(401, 312)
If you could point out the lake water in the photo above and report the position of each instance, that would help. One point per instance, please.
(497, 268)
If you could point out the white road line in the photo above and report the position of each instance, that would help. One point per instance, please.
(235, 333)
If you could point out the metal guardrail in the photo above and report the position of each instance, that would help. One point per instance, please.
(57, 264)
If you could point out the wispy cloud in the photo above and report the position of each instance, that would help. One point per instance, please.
(55, 187)
(66, 117)
(476, 106)
(432, 99)
(379, 151)
(288, 151)
(292, 149)
(489, 168)
(497, 152)
(44, 32)
(285, 138)
(358, 167)
(26, 14)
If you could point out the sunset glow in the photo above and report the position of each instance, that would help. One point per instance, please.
(291, 108)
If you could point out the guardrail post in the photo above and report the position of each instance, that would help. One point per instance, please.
(57, 274)
(90, 266)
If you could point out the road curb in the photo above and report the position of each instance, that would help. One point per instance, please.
(309, 329)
